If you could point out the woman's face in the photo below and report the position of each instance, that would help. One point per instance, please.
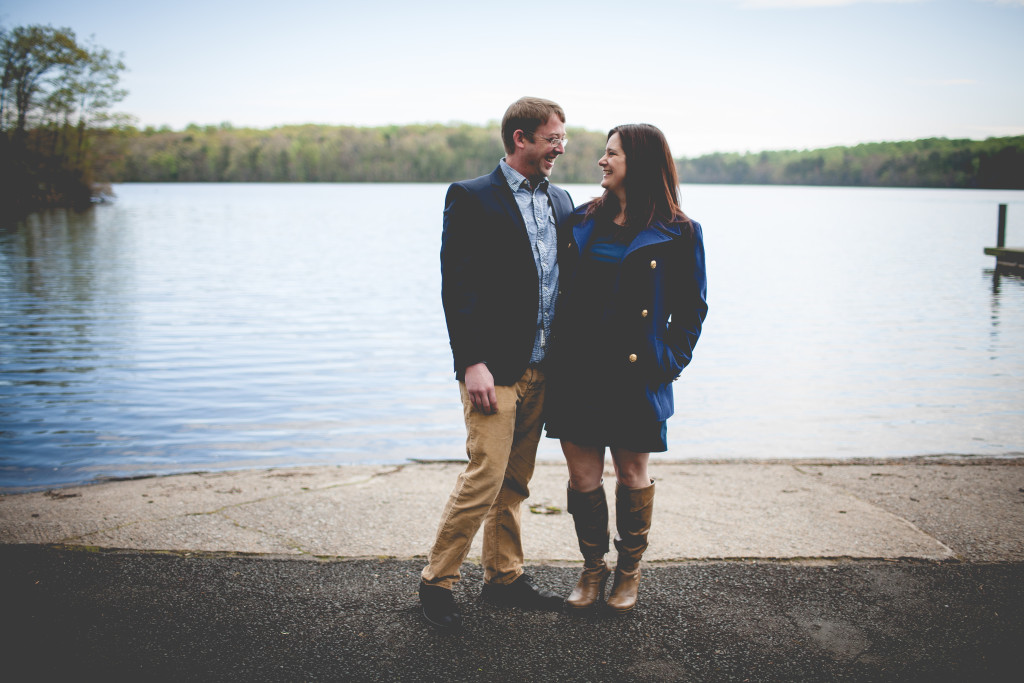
(613, 163)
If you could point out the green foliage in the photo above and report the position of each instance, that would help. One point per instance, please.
(996, 163)
(315, 153)
(439, 153)
(57, 138)
(54, 95)
(29, 53)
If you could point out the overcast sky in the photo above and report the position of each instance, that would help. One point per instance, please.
(715, 75)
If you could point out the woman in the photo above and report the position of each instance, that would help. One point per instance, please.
(632, 305)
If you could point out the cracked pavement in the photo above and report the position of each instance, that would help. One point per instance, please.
(905, 570)
(923, 509)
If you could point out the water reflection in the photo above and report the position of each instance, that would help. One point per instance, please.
(53, 335)
(211, 327)
(1014, 277)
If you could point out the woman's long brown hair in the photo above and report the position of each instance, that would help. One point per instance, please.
(651, 183)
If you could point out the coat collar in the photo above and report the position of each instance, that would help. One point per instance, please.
(653, 234)
(500, 185)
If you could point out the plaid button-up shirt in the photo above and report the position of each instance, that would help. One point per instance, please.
(535, 206)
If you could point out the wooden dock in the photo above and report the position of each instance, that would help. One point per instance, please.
(1009, 258)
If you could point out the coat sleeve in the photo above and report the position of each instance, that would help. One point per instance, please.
(460, 279)
(690, 305)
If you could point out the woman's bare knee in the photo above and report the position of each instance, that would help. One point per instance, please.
(586, 466)
(631, 468)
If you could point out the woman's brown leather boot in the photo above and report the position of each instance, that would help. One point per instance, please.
(633, 509)
(590, 515)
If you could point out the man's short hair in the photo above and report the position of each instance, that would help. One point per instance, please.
(527, 114)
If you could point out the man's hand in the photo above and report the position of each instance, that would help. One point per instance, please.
(480, 385)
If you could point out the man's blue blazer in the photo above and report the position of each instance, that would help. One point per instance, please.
(489, 282)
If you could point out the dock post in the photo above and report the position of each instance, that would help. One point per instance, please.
(1006, 258)
(1001, 230)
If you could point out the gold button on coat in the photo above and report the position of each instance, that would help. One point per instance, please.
(632, 358)
(643, 313)
(654, 264)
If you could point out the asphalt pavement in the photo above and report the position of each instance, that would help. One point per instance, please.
(761, 571)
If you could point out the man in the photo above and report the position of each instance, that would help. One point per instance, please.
(499, 276)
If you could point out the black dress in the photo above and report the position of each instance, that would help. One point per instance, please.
(589, 403)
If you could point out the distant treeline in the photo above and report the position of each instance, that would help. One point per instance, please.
(995, 163)
(317, 153)
(442, 153)
(60, 144)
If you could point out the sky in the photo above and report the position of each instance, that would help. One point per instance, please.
(714, 75)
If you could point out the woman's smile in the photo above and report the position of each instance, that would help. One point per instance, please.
(613, 165)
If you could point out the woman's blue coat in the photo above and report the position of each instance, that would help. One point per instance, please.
(658, 308)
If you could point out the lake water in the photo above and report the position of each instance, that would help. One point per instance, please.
(211, 327)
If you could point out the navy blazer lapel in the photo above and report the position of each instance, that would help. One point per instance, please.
(503, 195)
(561, 205)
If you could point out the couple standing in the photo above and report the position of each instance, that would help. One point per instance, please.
(626, 275)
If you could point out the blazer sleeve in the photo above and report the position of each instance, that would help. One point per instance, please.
(461, 276)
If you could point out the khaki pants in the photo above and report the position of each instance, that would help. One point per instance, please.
(502, 450)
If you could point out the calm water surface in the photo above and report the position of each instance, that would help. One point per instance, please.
(203, 327)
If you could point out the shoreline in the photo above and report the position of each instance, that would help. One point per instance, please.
(938, 458)
(934, 508)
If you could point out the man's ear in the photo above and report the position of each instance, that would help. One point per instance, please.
(519, 138)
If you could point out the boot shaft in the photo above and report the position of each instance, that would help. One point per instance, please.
(633, 511)
(590, 517)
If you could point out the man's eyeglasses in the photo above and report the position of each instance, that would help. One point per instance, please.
(553, 141)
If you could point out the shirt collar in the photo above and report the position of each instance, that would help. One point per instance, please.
(516, 179)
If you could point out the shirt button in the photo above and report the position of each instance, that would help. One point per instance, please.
(654, 264)
(632, 358)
